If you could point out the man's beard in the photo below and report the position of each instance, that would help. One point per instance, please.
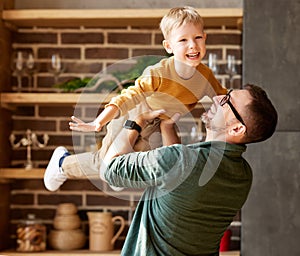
(206, 120)
(209, 124)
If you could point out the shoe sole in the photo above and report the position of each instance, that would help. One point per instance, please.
(53, 164)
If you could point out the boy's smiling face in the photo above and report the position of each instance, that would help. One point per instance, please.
(187, 43)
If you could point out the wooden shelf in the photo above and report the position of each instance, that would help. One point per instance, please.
(86, 252)
(21, 173)
(9, 100)
(54, 98)
(112, 17)
(63, 253)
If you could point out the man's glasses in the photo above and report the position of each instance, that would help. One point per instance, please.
(226, 99)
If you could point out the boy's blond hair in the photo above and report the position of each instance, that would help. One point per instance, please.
(179, 16)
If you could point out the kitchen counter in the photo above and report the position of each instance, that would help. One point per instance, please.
(87, 252)
(61, 253)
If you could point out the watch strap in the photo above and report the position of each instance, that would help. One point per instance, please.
(132, 125)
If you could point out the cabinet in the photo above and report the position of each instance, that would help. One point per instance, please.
(15, 19)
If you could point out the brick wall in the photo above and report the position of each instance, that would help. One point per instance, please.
(85, 52)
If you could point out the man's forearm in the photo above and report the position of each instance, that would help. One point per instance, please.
(169, 136)
(123, 144)
(169, 131)
(126, 139)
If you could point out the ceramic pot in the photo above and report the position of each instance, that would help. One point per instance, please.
(66, 209)
(66, 222)
(67, 239)
(102, 237)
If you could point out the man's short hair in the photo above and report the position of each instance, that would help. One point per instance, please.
(260, 116)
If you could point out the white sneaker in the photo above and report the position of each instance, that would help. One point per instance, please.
(54, 176)
(117, 189)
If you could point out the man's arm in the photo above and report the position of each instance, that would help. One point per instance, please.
(169, 132)
(126, 139)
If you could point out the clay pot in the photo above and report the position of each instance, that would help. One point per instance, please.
(67, 239)
(66, 222)
(66, 209)
(102, 236)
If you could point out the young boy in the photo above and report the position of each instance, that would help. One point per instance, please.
(174, 84)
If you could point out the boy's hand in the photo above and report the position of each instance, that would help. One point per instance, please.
(80, 126)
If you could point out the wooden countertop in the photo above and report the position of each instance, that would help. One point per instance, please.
(62, 253)
(87, 252)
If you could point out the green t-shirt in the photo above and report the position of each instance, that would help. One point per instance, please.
(192, 192)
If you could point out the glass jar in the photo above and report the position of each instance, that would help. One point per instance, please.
(31, 235)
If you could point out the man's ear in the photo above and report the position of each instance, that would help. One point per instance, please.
(167, 46)
(237, 129)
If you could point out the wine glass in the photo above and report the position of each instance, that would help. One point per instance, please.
(56, 66)
(18, 68)
(195, 134)
(31, 67)
(231, 68)
(212, 62)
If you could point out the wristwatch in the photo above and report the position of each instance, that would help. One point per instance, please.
(132, 125)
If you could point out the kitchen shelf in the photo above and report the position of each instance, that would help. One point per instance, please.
(54, 98)
(62, 253)
(22, 173)
(9, 100)
(111, 17)
(86, 252)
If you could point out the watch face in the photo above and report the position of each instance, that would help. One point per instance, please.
(129, 124)
(132, 125)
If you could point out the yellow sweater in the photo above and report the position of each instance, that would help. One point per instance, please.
(162, 88)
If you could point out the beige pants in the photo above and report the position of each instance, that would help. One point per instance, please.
(88, 164)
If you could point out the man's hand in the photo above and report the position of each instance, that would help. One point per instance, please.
(80, 126)
(167, 126)
(169, 123)
(143, 118)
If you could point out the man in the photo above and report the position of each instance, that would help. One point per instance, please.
(192, 192)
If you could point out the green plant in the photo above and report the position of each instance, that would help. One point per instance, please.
(73, 84)
(126, 78)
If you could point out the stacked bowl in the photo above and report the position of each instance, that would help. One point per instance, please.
(67, 233)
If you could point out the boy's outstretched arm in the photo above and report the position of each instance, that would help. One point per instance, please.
(109, 113)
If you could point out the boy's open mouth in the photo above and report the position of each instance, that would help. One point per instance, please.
(193, 55)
